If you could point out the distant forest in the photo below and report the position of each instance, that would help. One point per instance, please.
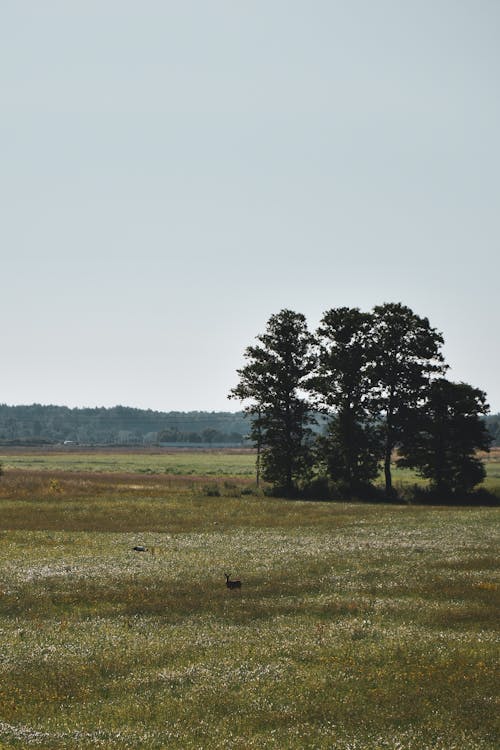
(493, 425)
(123, 425)
(119, 425)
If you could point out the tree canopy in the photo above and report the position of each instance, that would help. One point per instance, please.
(443, 434)
(378, 379)
(351, 449)
(118, 425)
(405, 353)
(275, 380)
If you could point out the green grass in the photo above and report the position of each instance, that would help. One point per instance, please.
(206, 463)
(358, 627)
(216, 463)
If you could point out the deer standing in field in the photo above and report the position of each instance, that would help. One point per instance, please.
(232, 584)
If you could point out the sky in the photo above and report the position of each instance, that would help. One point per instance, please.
(173, 172)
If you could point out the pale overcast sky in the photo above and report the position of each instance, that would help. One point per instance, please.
(175, 171)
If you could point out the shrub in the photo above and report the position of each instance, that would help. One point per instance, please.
(318, 488)
(211, 490)
(251, 490)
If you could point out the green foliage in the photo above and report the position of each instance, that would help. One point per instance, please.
(38, 425)
(212, 490)
(405, 353)
(274, 379)
(351, 449)
(368, 375)
(443, 434)
(492, 422)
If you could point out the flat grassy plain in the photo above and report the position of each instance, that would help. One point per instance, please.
(181, 463)
(358, 627)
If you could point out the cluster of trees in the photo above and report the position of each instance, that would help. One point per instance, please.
(493, 424)
(37, 423)
(207, 436)
(378, 377)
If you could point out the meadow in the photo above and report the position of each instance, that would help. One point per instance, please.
(177, 462)
(357, 627)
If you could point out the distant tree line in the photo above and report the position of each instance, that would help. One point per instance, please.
(378, 378)
(119, 425)
(493, 426)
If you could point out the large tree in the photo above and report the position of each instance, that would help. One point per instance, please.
(443, 435)
(405, 356)
(274, 381)
(351, 449)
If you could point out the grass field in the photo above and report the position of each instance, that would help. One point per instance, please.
(213, 463)
(206, 463)
(358, 627)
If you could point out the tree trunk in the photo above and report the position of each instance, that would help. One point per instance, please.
(388, 451)
(259, 446)
(387, 470)
(349, 463)
(289, 449)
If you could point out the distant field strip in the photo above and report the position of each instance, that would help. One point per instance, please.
(180, 463)
(211, 463)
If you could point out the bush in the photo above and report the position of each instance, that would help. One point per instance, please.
(431, 496)
(211, 490)
(251, 490)
(318, 488)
